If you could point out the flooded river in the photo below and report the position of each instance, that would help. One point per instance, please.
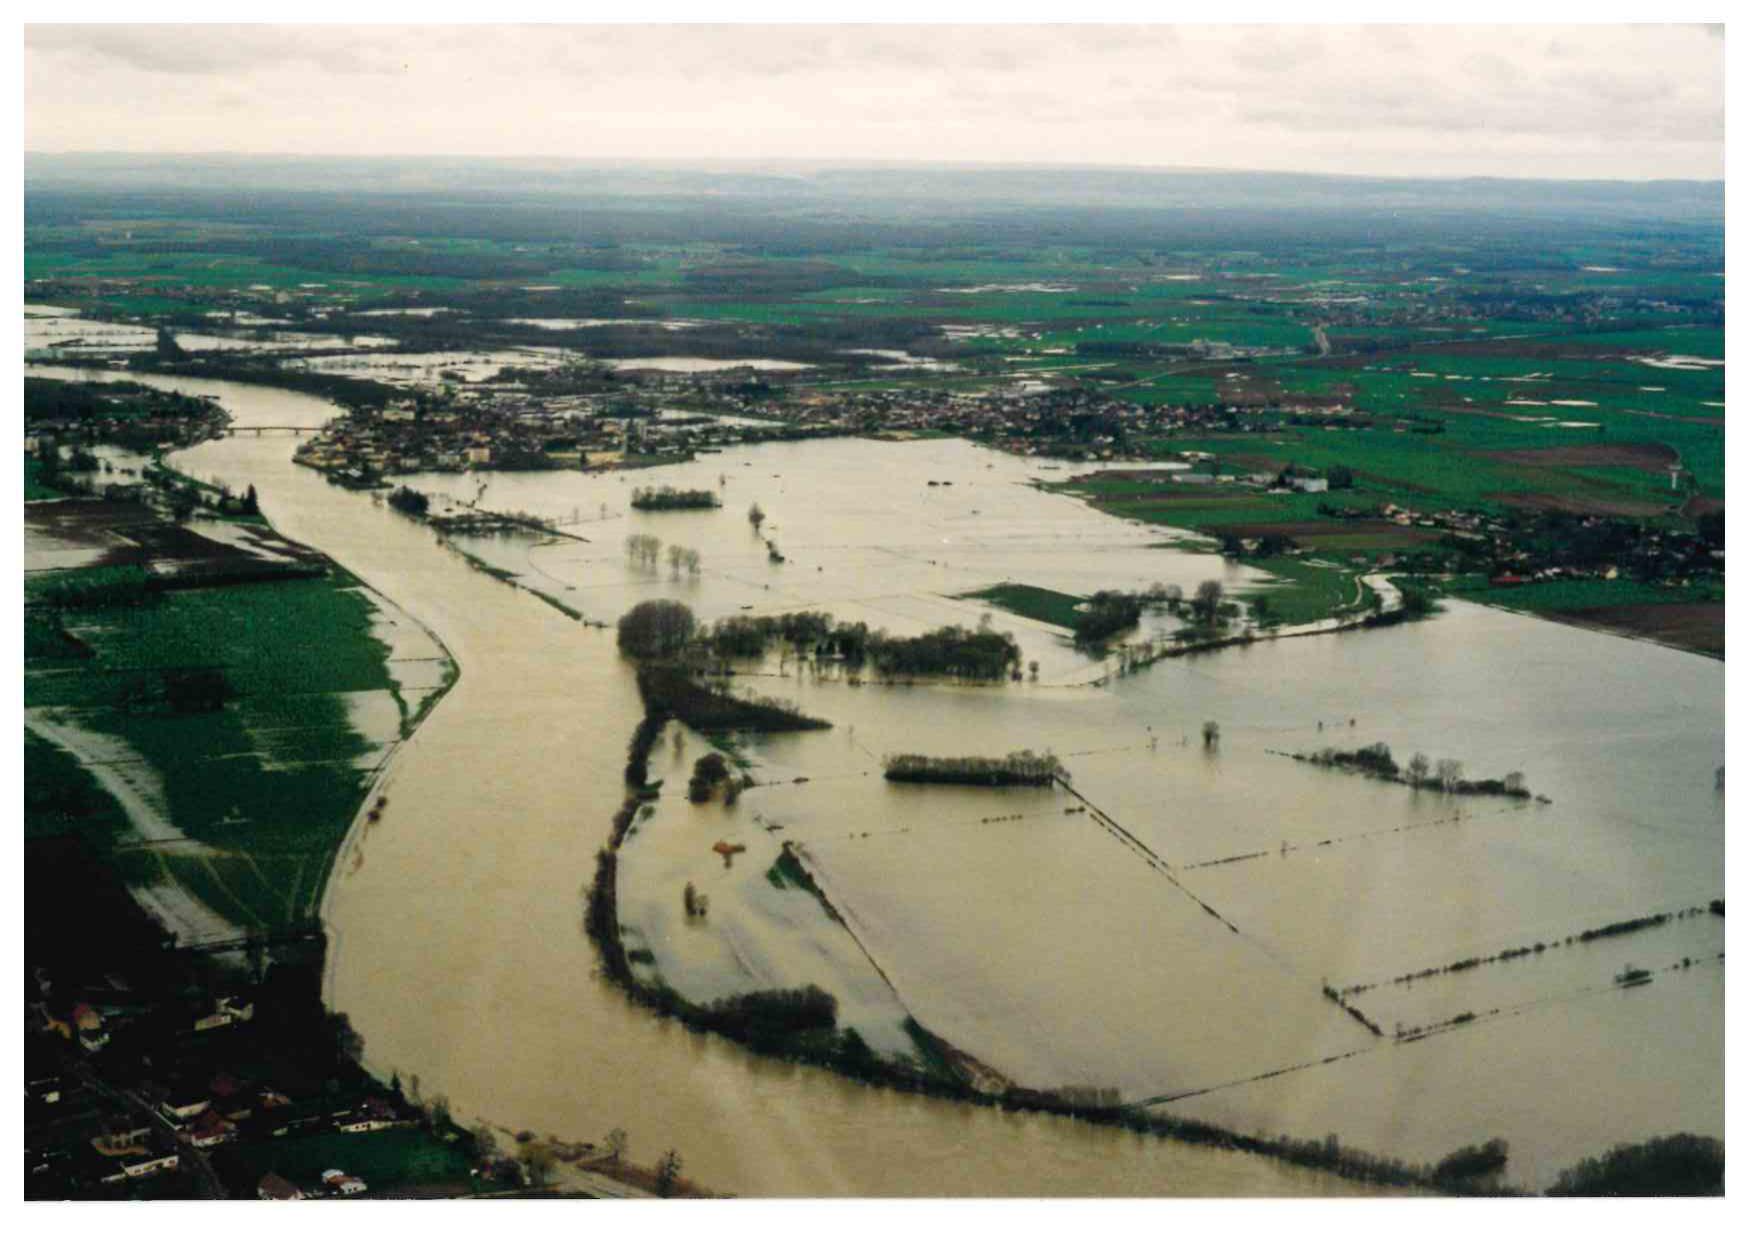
(1011, 923)
(458, 949)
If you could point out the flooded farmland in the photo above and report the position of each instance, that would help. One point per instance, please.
(1011, 923)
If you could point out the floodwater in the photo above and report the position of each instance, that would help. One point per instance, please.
(886, 533)
(1034, 937)
(55, 331)
(1041, 944)
(702, 365)
(458, 950)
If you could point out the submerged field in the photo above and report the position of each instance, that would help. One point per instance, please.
(1020, 928)
(1180, 960)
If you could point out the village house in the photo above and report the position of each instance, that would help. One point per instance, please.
(339, 1182)
(374, 1116)
(183, 1104)
(275, 1187)
(139, 1167)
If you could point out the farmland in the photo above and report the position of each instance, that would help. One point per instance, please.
(975, 425)
(236, 723)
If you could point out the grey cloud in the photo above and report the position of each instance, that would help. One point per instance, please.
(1512, 98)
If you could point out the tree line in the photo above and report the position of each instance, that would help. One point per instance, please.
(666, 498)
(1021, 767)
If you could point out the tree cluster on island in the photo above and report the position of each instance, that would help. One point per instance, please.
(1421, 772)
(667, 498)
(655, 630)
(1022, 767)
(413, 503)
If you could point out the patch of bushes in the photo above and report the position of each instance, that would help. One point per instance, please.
(1022, 767)
(707, 774)
(663, 499)
(671, 691)
(1104, 615)
(656, 629)
(413, 503)
(953, 651)
(1682, 1165)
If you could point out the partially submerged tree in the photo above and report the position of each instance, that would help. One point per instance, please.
(617, 1143)
(668, 1174)
(643, 549)
(656, 629)
(1207, 602)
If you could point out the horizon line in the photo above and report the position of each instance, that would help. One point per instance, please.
(728, 163)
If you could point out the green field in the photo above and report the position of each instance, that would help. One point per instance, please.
(269, 782)
(1032, 602)
(1308, 591)
(1583, 595)
(388, 1161)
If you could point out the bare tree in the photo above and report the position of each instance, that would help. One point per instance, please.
(1450, 773)
(1419, 766)
(1208, 598)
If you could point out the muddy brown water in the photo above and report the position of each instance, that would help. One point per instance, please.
(458, 950)
(457, 945)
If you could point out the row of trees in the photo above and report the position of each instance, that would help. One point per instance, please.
(645, 550)
(667, 629)
(1020, 767)
(1420, 772)
(663, 499)
(953, 650)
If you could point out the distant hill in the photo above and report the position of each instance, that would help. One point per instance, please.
(867, 187)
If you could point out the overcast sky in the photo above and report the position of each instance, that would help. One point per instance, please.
(1586, 101)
